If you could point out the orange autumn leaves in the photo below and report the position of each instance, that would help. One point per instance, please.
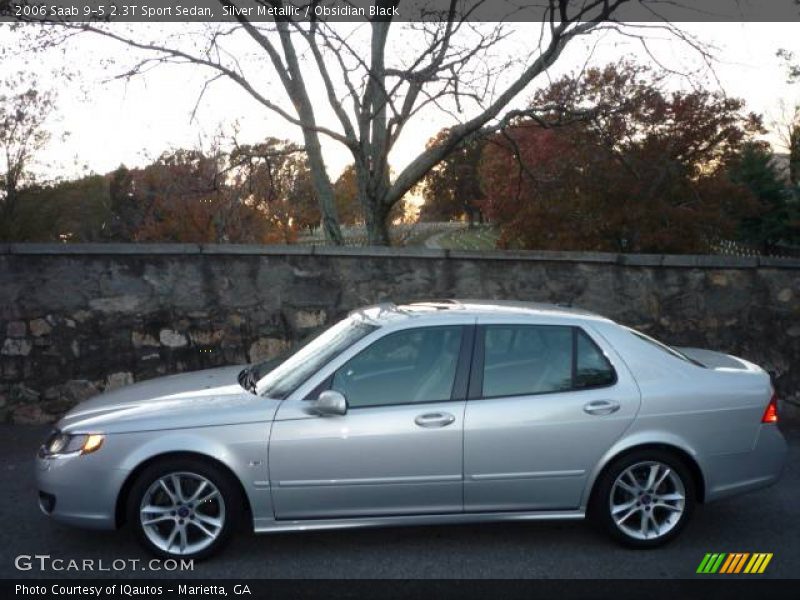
(255, 194)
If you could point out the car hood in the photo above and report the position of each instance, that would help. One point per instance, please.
(198, 399)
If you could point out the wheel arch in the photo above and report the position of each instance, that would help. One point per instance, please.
(682, 453)
(120, 513)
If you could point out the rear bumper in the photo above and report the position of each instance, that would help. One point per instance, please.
(731, 474)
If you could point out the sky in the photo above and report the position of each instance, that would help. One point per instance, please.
(112, 121)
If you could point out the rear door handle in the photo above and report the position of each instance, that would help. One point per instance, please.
(601, 407)
(436, 419)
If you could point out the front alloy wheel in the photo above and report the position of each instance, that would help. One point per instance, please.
(183, 508)
(645, 499)
(182, 513)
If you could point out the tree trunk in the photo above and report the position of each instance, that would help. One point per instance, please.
(8, 207)
(373, 205)
(296, 89)
(321, 182)
(377, 227)
(375, 218)
(794, 155)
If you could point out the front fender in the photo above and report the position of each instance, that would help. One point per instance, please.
(241, 448)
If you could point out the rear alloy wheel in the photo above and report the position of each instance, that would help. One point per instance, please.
(183, 508)
(645, 499)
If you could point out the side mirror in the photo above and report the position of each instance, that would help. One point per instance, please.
(330, 403)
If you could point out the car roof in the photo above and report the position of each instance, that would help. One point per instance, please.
(459, 308)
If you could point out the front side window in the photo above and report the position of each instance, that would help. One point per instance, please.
(278, 379)
(406, 367)
(540, 359)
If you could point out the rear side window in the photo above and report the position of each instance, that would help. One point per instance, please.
(539, 359)
(526, 360)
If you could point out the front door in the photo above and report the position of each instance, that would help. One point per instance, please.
(398, 450)
(547, 401)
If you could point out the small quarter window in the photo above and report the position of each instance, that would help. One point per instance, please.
(592, 368)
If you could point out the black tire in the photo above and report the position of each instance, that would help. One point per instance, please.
(641, 460)
(191, 469)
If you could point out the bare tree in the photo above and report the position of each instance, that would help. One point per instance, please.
(445, 61)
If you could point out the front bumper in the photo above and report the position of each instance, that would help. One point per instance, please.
(732, 474)
(79, 490)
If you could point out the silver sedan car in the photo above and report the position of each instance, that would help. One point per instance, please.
(440, 412)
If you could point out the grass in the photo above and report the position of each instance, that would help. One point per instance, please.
(404, 234)
(482, 237)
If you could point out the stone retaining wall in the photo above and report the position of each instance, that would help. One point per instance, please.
(76, 319)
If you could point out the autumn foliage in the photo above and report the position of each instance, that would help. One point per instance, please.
(348, 210)
(619, 164)
(452, 189)
(255, 194)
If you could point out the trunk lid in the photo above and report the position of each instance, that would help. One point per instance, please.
(719, 361)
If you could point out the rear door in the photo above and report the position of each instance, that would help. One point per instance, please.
(545, 403)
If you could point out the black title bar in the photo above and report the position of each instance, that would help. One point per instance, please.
(152, 11)
(730, 588)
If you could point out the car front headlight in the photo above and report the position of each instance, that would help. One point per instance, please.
(65, 444)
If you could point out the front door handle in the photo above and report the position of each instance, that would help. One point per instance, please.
(436, 419)
(601, 407)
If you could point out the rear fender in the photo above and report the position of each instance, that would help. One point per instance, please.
(635, 440)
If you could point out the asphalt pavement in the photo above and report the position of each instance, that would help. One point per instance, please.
(763, 521)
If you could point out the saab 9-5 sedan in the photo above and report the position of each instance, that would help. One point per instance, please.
(428, 413)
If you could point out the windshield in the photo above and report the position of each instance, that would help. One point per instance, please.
(661, 346)
(278, 379)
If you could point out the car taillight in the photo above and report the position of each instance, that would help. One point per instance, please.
(771, 412)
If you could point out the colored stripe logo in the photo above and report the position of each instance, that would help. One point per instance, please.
(729, 563)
